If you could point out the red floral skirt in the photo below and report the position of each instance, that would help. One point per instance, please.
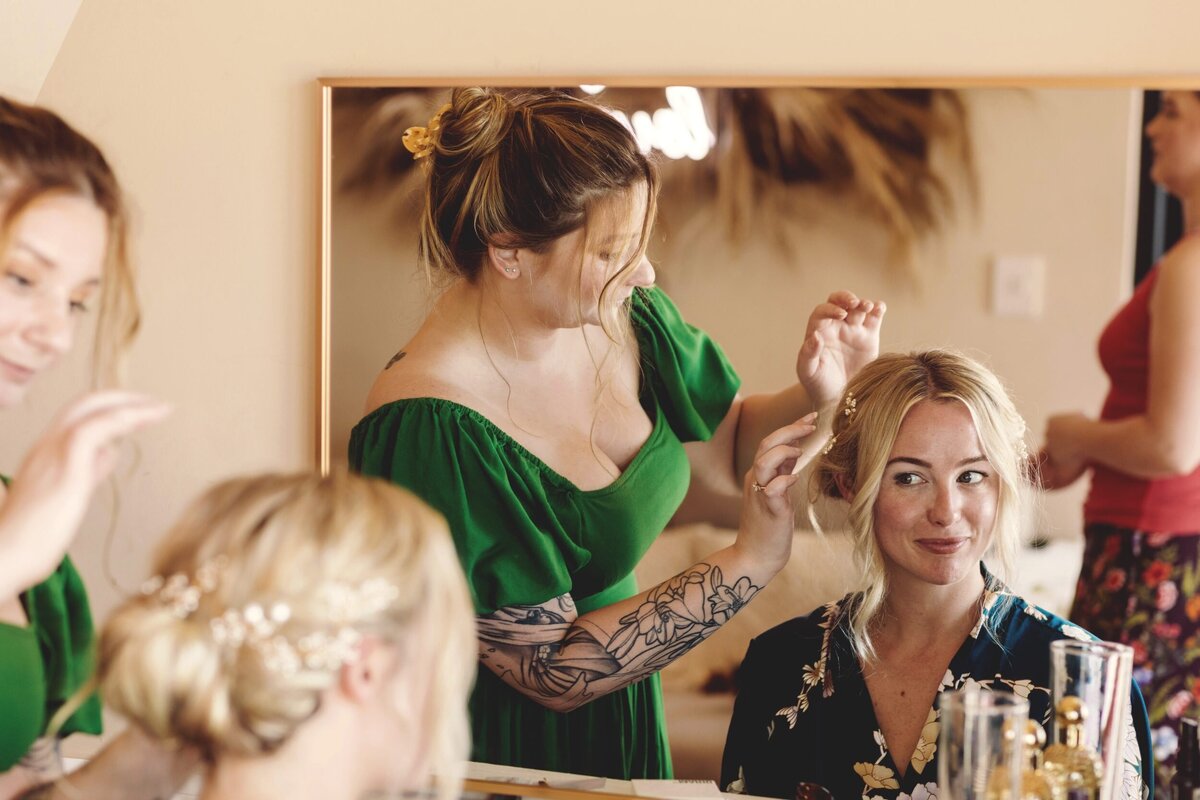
(1143, 589)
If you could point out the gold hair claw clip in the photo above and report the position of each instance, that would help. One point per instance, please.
(420, 140)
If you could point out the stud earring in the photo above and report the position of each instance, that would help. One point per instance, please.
(510, 270)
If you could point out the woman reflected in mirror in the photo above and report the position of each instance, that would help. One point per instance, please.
(928, 453)
(1141, 516)
(63, 242)
(558, 410)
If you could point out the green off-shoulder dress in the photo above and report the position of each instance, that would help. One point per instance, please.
(44, 663)
(525, 535)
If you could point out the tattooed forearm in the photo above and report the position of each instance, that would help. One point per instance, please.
(562, 661)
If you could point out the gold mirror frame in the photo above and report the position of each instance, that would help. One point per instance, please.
(328, 85)
(500, 789)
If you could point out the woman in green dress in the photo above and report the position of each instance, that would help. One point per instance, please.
(62, 247)
(543, 407)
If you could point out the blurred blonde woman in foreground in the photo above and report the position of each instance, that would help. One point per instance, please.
(312, 637)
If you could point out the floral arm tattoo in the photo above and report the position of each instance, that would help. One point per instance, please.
(561, 660)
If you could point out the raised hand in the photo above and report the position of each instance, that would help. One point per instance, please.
(51, 491)
(842, 337)
(768, 512)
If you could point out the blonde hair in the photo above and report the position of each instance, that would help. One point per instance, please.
(522, 169)
(879, 399)
(282, 539)
(41, 155)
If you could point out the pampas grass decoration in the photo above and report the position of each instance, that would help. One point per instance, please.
(892, 150)
(875, 145)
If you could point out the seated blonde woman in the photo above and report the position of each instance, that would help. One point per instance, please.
(929, 453)
(312, 637)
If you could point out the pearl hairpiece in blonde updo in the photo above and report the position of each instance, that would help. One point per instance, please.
(257, 625)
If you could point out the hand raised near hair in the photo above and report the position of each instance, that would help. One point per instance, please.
(51, 491)
(842, 337)
(768, 517)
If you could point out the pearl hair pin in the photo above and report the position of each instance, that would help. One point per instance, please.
(259, 625)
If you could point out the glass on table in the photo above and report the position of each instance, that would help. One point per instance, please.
(979, 758)
(1099, 674)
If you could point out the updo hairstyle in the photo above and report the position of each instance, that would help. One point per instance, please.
(290, 540)
(878, 399)
(41, 155)
(521, 169)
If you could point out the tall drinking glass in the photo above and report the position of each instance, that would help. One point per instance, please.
(1099, 674)
(979, 746)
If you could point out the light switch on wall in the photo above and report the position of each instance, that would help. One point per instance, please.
(1018, 285)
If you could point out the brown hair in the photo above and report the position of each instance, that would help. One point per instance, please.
(40, 154)
(522, 169)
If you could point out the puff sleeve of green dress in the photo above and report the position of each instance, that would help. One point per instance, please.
(43, 664)
(526, 534)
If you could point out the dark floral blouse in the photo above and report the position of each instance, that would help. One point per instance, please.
(803, 711)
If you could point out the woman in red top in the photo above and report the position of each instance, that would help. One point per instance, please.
(1141, 564)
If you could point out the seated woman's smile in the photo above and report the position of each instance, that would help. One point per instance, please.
(937, 502)
(928, 451)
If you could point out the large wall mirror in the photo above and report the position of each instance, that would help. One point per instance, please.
(998, 220)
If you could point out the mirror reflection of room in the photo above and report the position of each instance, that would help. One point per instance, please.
(945, 245)
(997, 206)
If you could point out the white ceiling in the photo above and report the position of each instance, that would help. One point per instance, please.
(31, 33)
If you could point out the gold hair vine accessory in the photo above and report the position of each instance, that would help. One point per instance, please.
(829, 445)
(851, 405)
(1022, 450)
(420, 141)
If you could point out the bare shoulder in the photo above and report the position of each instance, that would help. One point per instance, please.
(426, 367)
(418, 369)
(397, 380)
(1178, 285)
(1181, 262)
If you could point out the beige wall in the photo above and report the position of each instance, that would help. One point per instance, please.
(31, 32)
(209, 112)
